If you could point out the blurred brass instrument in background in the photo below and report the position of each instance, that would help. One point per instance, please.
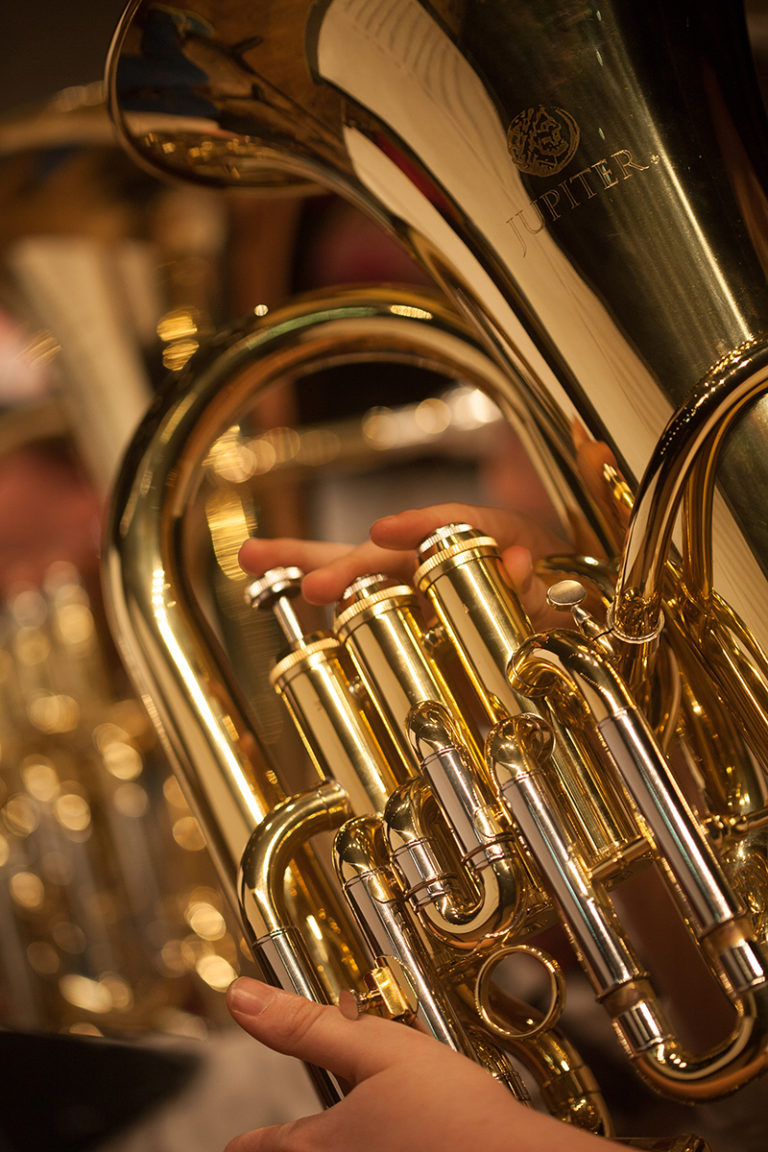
(107, 904)
(111, 920)
(586, 185)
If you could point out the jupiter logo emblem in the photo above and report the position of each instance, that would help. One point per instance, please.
(541, 140)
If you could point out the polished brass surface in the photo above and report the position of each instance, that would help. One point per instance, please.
(145, 534)
(586, 184)
(613, 161)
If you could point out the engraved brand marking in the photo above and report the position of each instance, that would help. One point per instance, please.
(575, 191)
(541, 141)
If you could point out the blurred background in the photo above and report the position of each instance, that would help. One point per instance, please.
(49, 46)
(115, 943)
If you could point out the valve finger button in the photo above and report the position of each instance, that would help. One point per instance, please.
(273, 584)
(566, 595)
(351, 1004)
(275, 590)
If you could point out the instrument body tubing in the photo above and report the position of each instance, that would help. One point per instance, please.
(486, 800)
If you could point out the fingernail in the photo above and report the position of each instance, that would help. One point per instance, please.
(249, 997)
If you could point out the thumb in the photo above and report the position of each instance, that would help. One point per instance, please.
(315, 1033)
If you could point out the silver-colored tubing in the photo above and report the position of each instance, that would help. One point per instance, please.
(565, 658)
(531, 801)
(389, 930)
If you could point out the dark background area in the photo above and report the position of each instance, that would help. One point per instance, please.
(46, 45)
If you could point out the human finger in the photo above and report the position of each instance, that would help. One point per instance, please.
(259, 554)
(316, 1033)
(406, 529)
(278, 1137)
(516, 537)
(410, 1092)
(326, 584)
(329, 568)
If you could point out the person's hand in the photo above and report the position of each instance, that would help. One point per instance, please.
(408, 1091)
(330, 568)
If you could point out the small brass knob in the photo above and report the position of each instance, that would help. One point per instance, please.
(390, 993)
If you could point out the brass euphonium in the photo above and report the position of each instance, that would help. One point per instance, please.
(585, 183)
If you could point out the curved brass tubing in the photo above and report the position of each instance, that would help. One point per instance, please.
(463, 915)
(743, 1056)
(723, 647)
(363, 866)
(483, 839)
(275, 938)
(161, 629)
(560, 666)
(266, 860)
(567, 1085)
(698, 426)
